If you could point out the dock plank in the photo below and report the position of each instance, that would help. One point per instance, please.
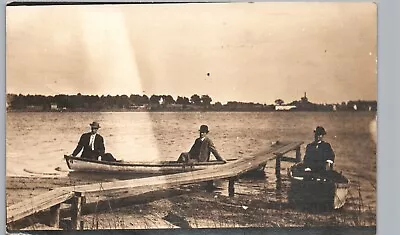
(37, 204)
(289, 147)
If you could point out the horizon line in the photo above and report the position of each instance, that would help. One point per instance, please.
(105, 95)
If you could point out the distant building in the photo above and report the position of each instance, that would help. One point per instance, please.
(193, 107)
(258, 106)
(303, 104)
(34, 108)
(138, 107)
(284, 107)
(304, 99)
(53, 107)
(175, 106)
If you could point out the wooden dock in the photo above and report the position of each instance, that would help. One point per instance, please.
(38, 203)
(76, 194)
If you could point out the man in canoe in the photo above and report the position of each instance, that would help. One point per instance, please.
(92, 144)
(201, 149)
(319, 154)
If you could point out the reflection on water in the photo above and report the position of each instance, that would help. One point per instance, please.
(261, 182)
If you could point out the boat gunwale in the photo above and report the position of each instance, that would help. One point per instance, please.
(145, 164)
(296, 179)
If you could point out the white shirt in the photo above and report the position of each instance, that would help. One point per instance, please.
(91, 141)
(318, 144)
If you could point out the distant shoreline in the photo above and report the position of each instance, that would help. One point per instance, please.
(166, 103)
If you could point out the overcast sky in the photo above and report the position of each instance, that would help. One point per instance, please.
(254, 52)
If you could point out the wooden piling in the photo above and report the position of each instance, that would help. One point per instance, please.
(278, 166)
(278, 183)
(55, 216)
(298, 154)
(231, 187)
(76, 209)
(82, 225)
(278, 171)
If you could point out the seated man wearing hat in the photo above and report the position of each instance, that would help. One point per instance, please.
(93, 145)
(319, 155)
(201, 149)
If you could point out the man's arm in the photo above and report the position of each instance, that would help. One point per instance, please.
(192, 148)
(101, 149)
(214, 151)
(330, 154)
(79, 146)
(307, 154)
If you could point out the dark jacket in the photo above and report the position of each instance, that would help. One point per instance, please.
(201, 150)
(317, 154)
(99, 148)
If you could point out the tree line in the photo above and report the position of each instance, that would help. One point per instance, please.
(133, 102)
(95, 102)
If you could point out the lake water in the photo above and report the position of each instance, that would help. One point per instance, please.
(36, 142)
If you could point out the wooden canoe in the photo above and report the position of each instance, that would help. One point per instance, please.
(328, 189)
(78, 164)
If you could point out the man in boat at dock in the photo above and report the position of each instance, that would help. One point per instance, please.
(201, 149)
(319, 154)
(92, 144)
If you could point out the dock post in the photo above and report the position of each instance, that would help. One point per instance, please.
(278, 171)
(231, 187)
(55, 216)
(278, 166)
(82, 204)
(298, 154)
(76, 209)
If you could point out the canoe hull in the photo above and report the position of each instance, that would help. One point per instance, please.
(167, 167)
(328, 190)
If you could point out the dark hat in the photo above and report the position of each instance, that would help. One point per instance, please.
(204, 129)
(320, 130)
(95, 125)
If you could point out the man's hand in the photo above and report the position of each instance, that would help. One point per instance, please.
(329, 165)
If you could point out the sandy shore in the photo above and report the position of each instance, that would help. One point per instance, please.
(256, 203)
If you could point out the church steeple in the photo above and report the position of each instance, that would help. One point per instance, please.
(304, 99)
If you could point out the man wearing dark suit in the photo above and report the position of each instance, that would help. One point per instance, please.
(319, 155)
(201, 149)
(92, 144)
